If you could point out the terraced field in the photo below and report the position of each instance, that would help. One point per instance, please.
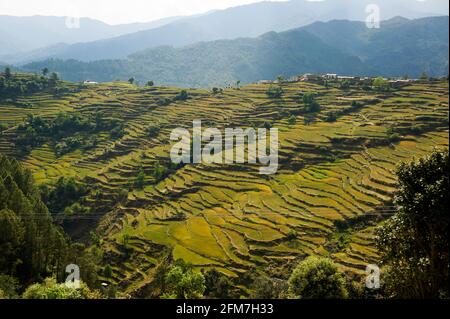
(334, 177)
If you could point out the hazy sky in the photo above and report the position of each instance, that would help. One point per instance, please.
(113, 11)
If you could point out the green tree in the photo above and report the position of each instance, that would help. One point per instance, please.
(424, 76)
(107, 272)
(150, 83)
(317, 278)
(182, 96)
(131, 80)
(140, 179)
(414, 244)
(292, 120)
(264, 287)
(45, 71)
(217, 284)
(380, 84)
(8, 287)
(54, 78)
(8, 74)
(308, 98)
(183, 282)
(50, 289)
(274, 92)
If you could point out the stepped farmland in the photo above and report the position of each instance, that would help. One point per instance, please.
(335, 181)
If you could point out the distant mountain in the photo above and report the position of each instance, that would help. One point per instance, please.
(243, 21)
(399, 47)
(23, 34)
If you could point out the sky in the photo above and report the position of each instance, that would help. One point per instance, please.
(112, 11)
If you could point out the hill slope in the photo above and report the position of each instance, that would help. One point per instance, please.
(399, 47)
(335, 182)
(20, 35)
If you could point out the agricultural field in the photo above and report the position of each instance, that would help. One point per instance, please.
(335, 182)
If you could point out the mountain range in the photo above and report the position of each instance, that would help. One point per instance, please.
(399, 47)
(27, 39)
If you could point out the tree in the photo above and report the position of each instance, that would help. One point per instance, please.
(107, 272)
(264, 287)
(292, 120)
(50, 289)
(217, 284)
(424, 76)
(3, 128)
(317, 278)
(274, 92)
(150, 83)
(8, 74)
(8, 287)
(45, 71)
(182, 96)
(380, 84)
(238, 83)
(413, 244)
(184, 283)
(311, 105)
(131, 80)
(153, 131)
(54, 78)
(140, 179)
(308, 98)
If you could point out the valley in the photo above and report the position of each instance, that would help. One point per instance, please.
(335, 182)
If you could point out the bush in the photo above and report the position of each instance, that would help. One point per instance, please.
(50, 289)
(153, 130)
(317, 278)
(394, 137)
(8, 287)
(182, 96)
(274, 92)
(292, 120)
(413, 244)
(264, 287)
(140, 179)
(331, 117)
(183, 282)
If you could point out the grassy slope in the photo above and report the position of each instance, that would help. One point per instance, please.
(332, 175)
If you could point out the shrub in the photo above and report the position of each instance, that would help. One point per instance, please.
(317, 278)
(153, 130)
(292, 120)
(182, 96)
(274, 92)
(50, 289)
(331, 117)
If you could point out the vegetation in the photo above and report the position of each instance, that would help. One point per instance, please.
(184, 283)
(311, 105)
(265, 57)
(274, 92)
(381, 84)
(32, 246)
(334, 179)
(50, 289)
(414, 243)
(66, 131)
(13, 85)
(317, 278)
